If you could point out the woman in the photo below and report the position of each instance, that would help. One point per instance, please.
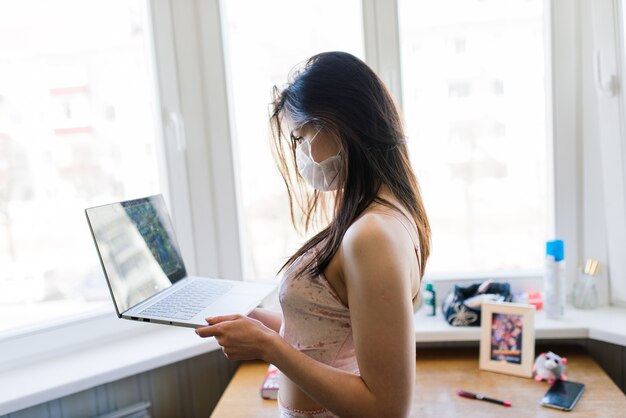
(345, 342)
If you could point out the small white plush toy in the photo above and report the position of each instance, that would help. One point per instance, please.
(549, 366)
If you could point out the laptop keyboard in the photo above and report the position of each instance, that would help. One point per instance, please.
(185, 303)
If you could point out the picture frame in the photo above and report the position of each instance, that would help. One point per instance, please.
(507, 343)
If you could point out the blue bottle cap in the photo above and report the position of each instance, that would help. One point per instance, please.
(555, 249)
(429, 286)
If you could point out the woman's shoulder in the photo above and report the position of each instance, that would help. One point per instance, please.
(374, 247)
(371, 231)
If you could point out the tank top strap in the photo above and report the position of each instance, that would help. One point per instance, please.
(399, 217)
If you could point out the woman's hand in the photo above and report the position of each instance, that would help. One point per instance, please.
(241, 337)
(270, 319)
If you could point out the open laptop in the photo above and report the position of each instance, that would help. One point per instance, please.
(146, 274)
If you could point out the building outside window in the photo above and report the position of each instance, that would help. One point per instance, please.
(260, 55)
(474, 95)
(77, 129)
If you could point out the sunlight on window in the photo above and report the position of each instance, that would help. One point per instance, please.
(77, 129)
(474, 97)
(263, 41)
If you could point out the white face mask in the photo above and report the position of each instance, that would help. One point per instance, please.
(323, 176)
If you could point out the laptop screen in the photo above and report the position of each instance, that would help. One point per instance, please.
(137, 248)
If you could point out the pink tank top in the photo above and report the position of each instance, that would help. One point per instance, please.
(315, 320)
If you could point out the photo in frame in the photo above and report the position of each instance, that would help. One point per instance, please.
(507, 343)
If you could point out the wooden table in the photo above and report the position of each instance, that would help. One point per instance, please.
(440, 373)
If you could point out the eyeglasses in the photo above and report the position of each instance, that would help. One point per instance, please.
(298, 139)
(295, 139)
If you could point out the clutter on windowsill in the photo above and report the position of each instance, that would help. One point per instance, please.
(549, 366)
(461, 306)
(530, 298)
(585, 292)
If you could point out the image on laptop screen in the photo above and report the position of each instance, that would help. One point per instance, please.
(137, 247)
(152, 222)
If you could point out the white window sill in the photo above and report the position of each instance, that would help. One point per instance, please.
(42, 381)
(49, 379)
(602, 324)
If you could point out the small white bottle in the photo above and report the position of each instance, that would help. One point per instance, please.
(554, 280)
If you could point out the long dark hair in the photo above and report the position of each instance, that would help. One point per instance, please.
(339, 93)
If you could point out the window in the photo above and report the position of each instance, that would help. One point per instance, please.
(263, 41)
(605, 145)
(474, 95)
(77, 129)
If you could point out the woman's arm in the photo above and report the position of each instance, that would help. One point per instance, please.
(377, 277)
(270, 319)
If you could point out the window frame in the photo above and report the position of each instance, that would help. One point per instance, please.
(618, 282)
(186, 44)
(607, 70)
(565, 148)
(383, 54)
(202, 185)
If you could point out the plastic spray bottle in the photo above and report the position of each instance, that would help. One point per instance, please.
(554, 280)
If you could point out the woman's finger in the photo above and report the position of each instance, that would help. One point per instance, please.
(217, 319)
(210, 331)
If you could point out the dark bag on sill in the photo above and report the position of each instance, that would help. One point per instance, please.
(457, 313)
